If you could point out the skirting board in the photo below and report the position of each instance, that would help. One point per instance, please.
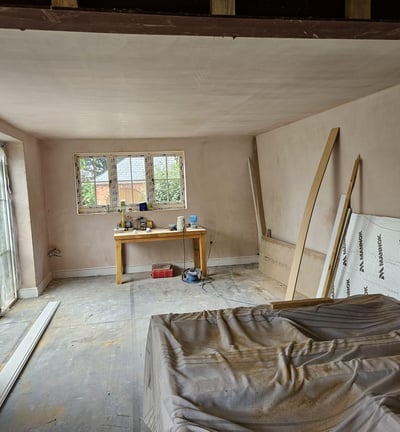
(31, 292)
(106, 271)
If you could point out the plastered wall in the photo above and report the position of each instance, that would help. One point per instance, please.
(218, 192)
(218, 189)
(289, 157)
(26, 181)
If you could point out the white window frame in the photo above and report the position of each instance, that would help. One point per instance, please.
(114, 205)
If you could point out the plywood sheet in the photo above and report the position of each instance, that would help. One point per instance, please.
(276, 257)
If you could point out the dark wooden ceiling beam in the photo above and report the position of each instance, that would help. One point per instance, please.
(358, 9)
(64, 3)
(222, 7)
(95, 21)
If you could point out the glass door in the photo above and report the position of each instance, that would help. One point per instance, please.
(8, 255)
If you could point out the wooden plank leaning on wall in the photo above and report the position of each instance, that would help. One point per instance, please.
(331, 246)
(305, 223)
(255, 183)
(340, 231)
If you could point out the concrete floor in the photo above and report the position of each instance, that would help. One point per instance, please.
(86, 372)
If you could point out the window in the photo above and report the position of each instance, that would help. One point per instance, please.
(104, 180)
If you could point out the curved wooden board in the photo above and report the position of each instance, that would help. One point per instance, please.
(305, 224)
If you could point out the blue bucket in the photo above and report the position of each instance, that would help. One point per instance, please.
(193, 221)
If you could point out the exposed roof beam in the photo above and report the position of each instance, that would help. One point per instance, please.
(358, 9)
(96, 21)
(64, 3)
(222, 7)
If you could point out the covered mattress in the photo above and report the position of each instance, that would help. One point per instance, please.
(332, 367)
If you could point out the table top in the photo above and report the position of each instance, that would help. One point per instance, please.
(158, 232)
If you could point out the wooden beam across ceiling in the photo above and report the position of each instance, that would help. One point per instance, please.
(64, 3)
(123, 22)
(358, 9)
(222, 7)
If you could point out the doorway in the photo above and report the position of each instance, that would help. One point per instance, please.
(8, 256)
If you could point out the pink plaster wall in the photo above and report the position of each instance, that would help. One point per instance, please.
(218, 191)
(289, 157)
(26, 178)
(36, 178)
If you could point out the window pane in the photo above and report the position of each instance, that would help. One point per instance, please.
(174, 189)
(139, 192)
(173, 167)
(92, 167)
(95, 188)
(131, 177)
(167, 184)
(103, 193)
(102, 181)
(88, 194)
(161, 191)
(160, 168)
(87, 169)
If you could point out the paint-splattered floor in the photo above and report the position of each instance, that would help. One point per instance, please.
(86, 372)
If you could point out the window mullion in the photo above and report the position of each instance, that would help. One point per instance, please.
(113, 181)
(182, 176)
(149, 167)
(78, 183)
(167, 177)
(94, 161)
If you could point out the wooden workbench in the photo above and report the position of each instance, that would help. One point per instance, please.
(157, 234)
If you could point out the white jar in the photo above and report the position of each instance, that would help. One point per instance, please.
(180, 223)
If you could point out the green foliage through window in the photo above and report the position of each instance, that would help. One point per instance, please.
(167, 186)
(103, 181)
(93, 189)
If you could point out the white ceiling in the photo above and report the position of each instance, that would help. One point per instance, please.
(85, 85)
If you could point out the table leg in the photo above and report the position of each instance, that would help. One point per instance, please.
(196, 252)
(203, 255)
(199, 254)
(118, 260)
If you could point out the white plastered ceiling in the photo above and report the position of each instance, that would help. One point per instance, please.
(85, 85)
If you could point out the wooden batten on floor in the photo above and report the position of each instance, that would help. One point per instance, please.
(358, 9)
(291, 304)
(222, 7)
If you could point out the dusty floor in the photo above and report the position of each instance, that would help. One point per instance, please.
(86, 372)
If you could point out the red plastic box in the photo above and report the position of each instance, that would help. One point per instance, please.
(162, 270)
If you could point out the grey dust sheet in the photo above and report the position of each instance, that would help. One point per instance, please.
(331, 367)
